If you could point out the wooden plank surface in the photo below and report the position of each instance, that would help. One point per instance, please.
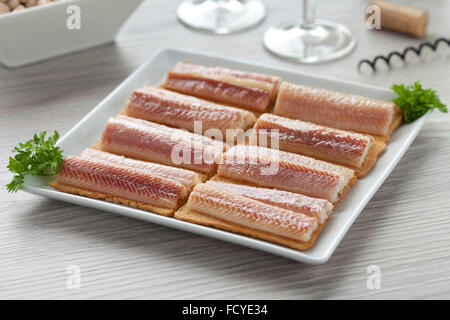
(403, 231)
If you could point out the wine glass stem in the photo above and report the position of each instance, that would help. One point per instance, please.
(309, 14)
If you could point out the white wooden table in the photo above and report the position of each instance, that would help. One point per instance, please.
(404, 230)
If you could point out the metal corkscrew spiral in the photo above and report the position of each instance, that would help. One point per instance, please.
(402, 55)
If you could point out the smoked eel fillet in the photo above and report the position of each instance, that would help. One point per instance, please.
(177, 132)
(286, 171)
(318, 208)
(120, 183)
(249, 213)
(186, 177)
(252, 91)
(181, 111)
(358, 151)
(144, 140)
(337, 110)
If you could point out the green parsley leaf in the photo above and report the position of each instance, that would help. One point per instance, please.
(37, 156)
(415, 101)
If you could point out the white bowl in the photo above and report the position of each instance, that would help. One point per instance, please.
(41, 32)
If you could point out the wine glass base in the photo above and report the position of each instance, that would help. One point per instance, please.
(221, 17)
(319, 42)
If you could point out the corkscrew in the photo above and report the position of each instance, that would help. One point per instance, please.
(402, 55)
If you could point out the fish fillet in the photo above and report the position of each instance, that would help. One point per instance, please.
(122, 181)
(186, 177)
(147, 141)
(319, 208)
(248, 90)
(306, 138)
(250, 213)
(285, 171)
(174, 131)
(335, 109)
(181, 111)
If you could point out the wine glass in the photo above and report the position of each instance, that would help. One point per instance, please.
(310, 41)
(221, 16)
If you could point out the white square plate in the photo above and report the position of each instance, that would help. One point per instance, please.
(153, 72)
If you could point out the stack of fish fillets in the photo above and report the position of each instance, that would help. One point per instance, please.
(205, 148)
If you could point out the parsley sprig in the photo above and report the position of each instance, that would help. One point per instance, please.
(37, 156)
(416, 101)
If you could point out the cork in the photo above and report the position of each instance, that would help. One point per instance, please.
(402, 18)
